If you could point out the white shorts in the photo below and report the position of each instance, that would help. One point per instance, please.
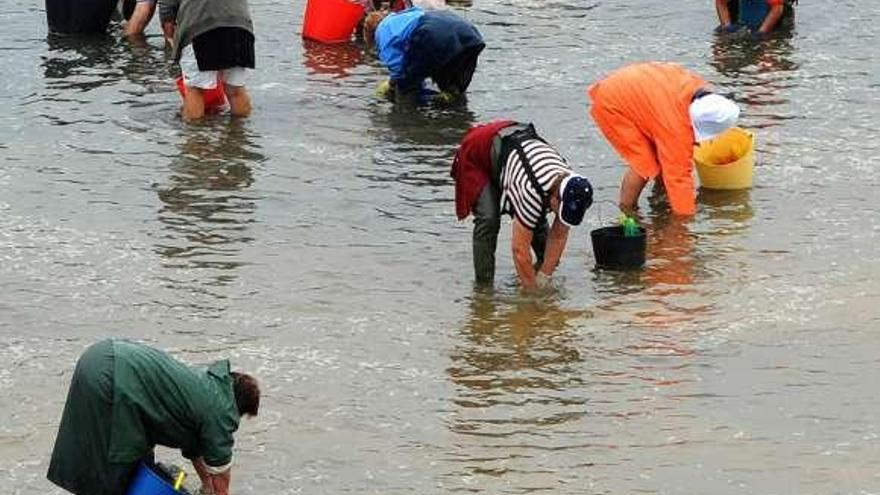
(195, 78)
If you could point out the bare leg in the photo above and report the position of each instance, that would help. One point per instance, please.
(193, 104)
(141, 16)
(239, 100)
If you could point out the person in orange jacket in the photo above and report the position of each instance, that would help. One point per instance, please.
(653, 113)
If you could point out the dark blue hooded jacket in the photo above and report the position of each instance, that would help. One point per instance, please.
(414, 44)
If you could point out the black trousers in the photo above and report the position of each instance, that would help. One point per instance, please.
(79, 16)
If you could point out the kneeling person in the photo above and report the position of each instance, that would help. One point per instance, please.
(506, 168)
(416, 44)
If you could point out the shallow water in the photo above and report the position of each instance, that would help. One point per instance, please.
(316, 245)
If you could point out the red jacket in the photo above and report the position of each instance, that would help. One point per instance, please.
(473, 164)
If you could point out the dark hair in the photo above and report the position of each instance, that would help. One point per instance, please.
(247, 393)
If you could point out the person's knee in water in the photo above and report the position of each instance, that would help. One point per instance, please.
(416, 44)
(504, 167)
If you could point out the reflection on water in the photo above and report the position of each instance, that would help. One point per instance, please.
(408, 125)
(761, 72)
(662, 293)
(81, 62)
(336, 59)
(519, 378)
(206, 208)
(415, 145)
(146, 65)
(670, 254)
(730, 212)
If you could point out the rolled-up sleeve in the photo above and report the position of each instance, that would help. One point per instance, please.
(217, 441)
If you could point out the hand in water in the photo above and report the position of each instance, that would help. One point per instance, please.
(447, 97)
(384, 90)
(542, 280)
(758, 35)
(729, 29)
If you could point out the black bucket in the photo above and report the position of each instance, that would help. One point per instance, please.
(616, 252)
(79, 16)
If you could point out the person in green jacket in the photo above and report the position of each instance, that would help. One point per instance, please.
(125, 398)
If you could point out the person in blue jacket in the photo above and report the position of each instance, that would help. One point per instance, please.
(416, 44)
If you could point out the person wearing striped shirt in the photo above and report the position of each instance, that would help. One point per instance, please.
(505, 167)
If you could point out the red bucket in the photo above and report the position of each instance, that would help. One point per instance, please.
(214, 98)
(331, 21)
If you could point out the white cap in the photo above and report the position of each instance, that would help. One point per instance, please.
(711, 115)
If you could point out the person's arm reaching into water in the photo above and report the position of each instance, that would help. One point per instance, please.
(221, 482)
(630, 189)
(772, 18)
(556, 242)
(521, 246)
(212, 483)
(168, 17)
(723, 9)
(143, 12)
(205, 477)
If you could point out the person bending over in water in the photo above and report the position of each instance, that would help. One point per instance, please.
(504, 167)
(761, 17)
(125, 398)
(653, 113)
(213, 42)
(416, 44)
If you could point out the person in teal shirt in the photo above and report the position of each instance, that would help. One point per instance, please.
(125, 398)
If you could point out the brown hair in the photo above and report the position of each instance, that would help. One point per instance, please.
(247, 393)
(371, 23)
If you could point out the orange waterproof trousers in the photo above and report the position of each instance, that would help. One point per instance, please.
(643, 111)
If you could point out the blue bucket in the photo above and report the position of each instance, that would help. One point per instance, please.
(147, 482)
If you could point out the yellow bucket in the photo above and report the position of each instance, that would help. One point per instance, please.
(728, 161)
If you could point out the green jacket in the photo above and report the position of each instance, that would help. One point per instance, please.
(158, 400)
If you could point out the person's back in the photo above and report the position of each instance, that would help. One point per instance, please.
(392, 37)
(416, 44)
(163, 400)
(654, 94)
(214, 45)
(125, 398)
